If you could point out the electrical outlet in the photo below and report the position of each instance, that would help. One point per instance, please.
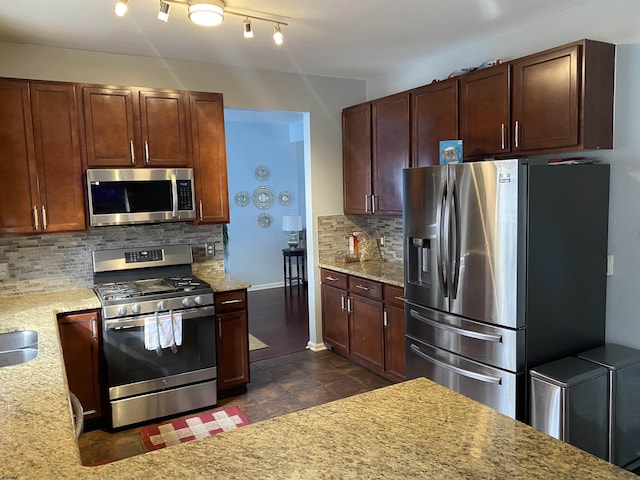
(4, 271)
(209, 249)
(382, 241)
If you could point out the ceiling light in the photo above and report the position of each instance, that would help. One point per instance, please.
(206, 14)
(277, 35)
(121, 7)
(163, 14)
(247, 29)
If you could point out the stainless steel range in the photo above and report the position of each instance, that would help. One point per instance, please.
(158, 332)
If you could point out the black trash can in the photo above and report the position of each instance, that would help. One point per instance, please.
(569, 402)
(623, 364)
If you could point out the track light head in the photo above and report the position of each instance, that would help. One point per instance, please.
(278, 38)
(207, 13)
(163, 14)
(247, 29)
(122, 7)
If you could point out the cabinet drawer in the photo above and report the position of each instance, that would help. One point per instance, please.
(365, 288)
(335, 279)
(393, 295)
(230, 301)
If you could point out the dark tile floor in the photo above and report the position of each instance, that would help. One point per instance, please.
(279, 385)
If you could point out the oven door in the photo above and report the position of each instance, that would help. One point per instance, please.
(133, 370)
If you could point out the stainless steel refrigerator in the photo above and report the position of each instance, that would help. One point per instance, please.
(505, 269)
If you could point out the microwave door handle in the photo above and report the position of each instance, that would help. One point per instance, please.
(174, 191)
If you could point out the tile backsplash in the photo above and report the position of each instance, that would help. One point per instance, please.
(45, 263)
(333, 234)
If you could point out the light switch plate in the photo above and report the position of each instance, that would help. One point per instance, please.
(609, 265)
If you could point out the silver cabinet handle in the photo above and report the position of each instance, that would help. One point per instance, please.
(133, 155)
(331, 279)
(517, 133)
(362, 287)
(44, 217)
(502, 136)
(349, 305)
(460, 371)
(342, 302)
(201, 217)
(146, 152)
(227, 302)
(94, 328)
(36, 223)
(385, 318)
(373, 204)
(487, 337)
(366, 204)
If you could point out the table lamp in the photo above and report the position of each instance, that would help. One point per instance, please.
(293, 224)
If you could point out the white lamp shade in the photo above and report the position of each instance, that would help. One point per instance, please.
(292, 223)
(206, 13)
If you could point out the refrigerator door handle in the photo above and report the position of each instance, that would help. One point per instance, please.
(486, 337)
(455, 241)
(441, 260)
(447, 228)
(460, 371)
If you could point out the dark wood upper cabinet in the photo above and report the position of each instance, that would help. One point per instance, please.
(485, 112)
(40, 158)
(209, 157)
(375, 150)
(131, 127)
(434, 117)
(562, 99)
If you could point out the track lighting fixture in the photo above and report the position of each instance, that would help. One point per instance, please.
(278, 38)
(209, 13)
(163, 14)
(122, 7)
(247, 29)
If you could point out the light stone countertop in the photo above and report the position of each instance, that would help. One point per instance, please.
(414, 429)
(391, 273)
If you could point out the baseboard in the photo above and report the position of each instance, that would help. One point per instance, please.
(316, 347)
(265, 286)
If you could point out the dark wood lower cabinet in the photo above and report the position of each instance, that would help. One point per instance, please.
(232, 341)
(364, 321)
(81, 349)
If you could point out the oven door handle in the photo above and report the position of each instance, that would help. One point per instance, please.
(130, 322)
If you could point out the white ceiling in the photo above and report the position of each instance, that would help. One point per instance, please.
(358, 39)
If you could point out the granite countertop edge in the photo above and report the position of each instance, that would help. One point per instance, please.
(391, 273)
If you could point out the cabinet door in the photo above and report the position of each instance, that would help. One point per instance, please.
(390, 128)
(209, 157)
(335, 320)
(232, 349)
(366, 341)
(434, 117)
(163, 123)
(394, 332)
(58, 158)
(546, 91)
(111, 134)
(79, 336)
(18, 178)
(484, 112)
(356, 159)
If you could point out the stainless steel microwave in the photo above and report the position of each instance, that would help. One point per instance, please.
(124, 196)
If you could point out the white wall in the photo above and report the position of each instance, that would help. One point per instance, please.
(613, 21)
(322, 97)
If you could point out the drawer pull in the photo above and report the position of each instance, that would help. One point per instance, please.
(227, 302)
(331, 279)
(362, 287)
(485, 337)
(460, 371)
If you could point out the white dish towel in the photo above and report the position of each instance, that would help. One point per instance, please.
(168, 331)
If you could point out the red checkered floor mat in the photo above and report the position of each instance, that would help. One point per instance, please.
(199, 426)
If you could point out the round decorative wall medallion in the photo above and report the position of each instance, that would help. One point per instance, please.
(264, 220)
(284, 198)
(263, 197)
(242, 199)
(262, 173)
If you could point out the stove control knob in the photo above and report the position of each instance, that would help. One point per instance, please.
(122, 311)
(198, 300)
(186, 302)
(135, 308)
(161, 305)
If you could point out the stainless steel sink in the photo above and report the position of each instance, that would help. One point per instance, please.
(18, 347)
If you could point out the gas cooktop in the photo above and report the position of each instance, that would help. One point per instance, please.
(132, 290)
